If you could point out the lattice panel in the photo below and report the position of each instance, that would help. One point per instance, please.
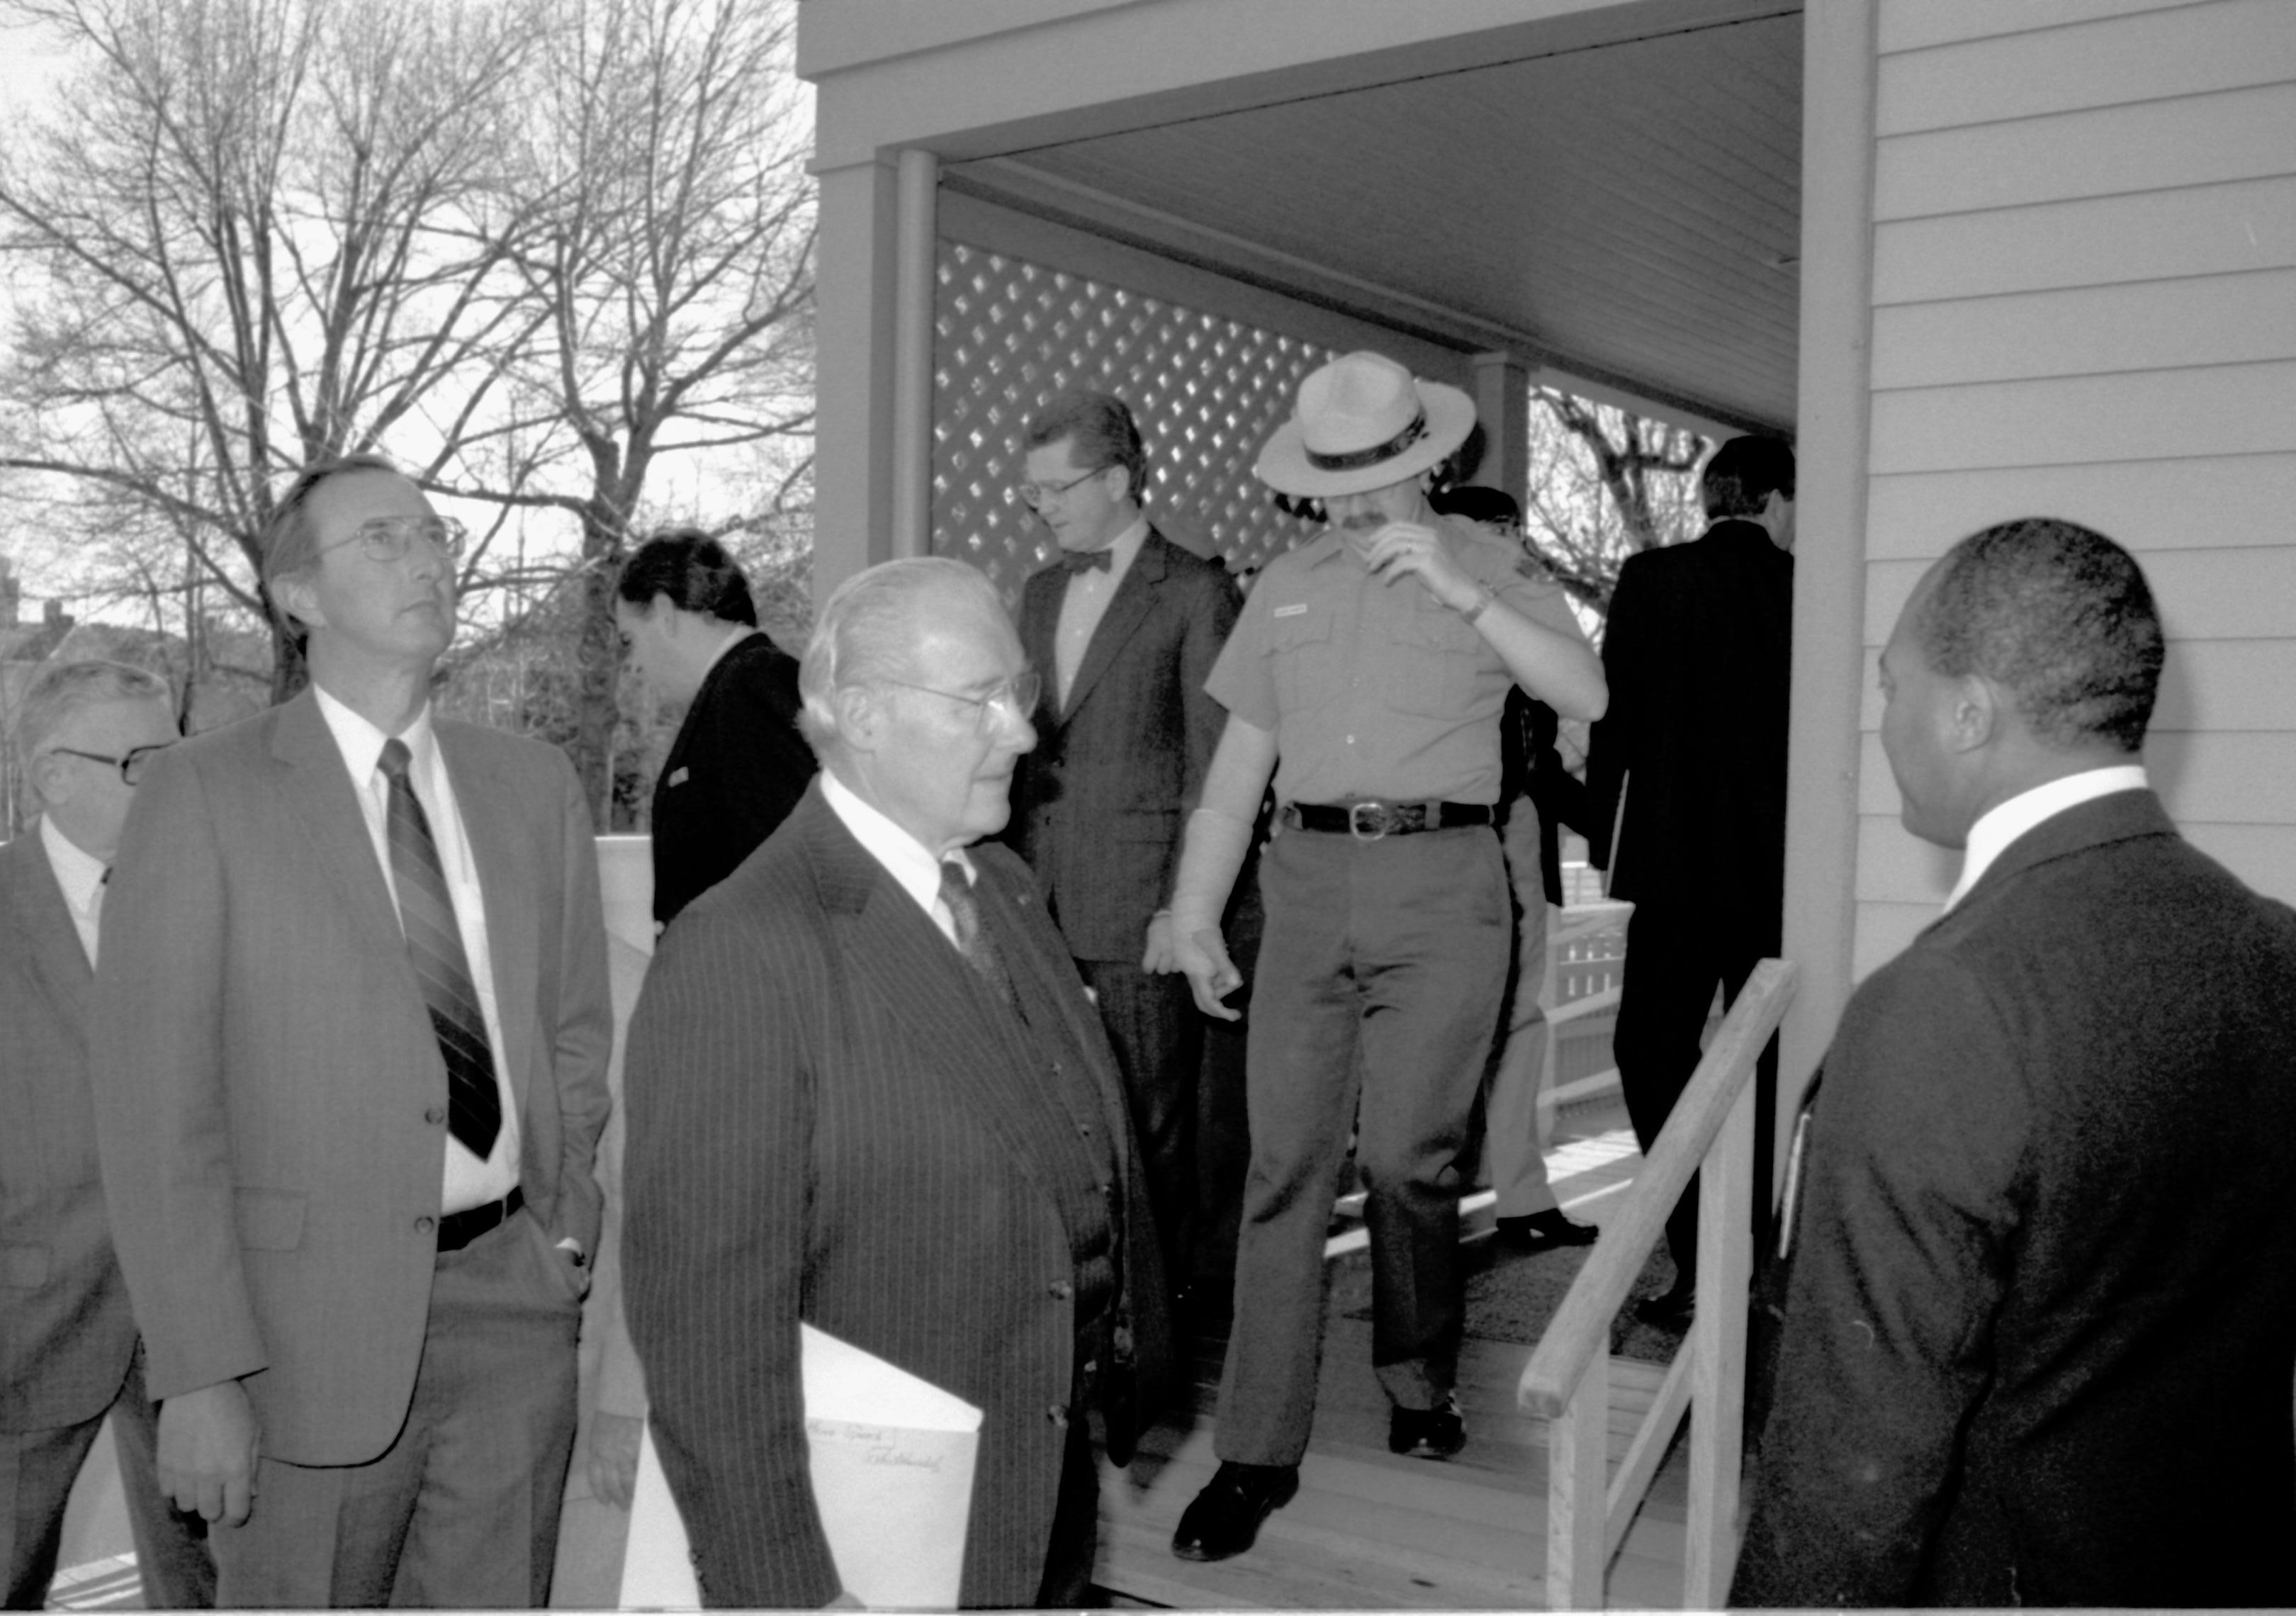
(1207, 391)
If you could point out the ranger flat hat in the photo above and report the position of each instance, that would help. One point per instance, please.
(1364, 422)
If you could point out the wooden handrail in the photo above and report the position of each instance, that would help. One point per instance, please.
(1582, 1325)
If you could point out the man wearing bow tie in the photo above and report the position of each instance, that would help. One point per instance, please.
(1124, 629)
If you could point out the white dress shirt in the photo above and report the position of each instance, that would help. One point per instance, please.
(80, 873)
(912, 866)
(2005, 822)
(1085, 602)
(468, 1182)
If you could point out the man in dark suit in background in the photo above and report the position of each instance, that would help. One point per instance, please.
(1687, 779)
(1124, 629)
(350, 1050)
(68, 1352)
(738, 764)
(2041, 1320)
(867, 1091)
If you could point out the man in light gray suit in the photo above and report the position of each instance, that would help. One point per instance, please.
(86, 732)
(350, 1044)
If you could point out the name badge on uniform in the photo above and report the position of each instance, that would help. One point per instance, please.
(1295, 610)
(677, 776)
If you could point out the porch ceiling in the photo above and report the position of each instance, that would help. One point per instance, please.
(1629, 212)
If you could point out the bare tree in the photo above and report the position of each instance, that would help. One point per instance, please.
(250, 234)
(1604, 483)
(674, 277)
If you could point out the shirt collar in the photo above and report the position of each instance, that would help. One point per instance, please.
(1124, 546)
(726, 645)
(907, 860)
(2005, 822)
(78, 871)
(361, 743)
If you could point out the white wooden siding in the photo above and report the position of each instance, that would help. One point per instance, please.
(2085, 306)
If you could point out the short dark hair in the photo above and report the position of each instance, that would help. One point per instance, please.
(289, 545)
(1104, 432)
(2058, 615)
(1742, 475)
(693, 569)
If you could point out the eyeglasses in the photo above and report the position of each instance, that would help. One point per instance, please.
(130, 767)
(1017, 696)
(388, 538)
(1038, 494)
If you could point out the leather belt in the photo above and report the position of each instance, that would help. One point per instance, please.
(458, 1229)
(1370, 820)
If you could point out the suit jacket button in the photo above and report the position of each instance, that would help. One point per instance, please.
(426, 1225)
(1062, 1290)
(436, 1115)
(1058, 1415)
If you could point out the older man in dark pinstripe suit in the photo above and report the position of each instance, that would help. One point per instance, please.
(866, 1090)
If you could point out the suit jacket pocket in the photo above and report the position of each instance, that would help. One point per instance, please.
(23, 1268)
(269, 1220)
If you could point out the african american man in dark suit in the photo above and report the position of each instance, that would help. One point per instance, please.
(2040, 1324)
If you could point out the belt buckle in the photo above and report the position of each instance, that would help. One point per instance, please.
(1383, 818)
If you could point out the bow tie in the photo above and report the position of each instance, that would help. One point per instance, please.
(1082, 560)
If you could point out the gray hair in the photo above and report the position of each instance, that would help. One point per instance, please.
(61, 689)
(868, 628)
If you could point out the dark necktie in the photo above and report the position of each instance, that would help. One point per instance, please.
(1085, 561)
(434, 944)
(979, 950)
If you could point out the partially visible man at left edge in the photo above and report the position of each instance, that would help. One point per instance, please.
(85, 732)
(350, 1044)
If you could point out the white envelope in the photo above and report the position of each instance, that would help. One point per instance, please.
(891, 1458)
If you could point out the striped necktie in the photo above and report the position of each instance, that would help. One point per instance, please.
(434, 944)
(979, 950)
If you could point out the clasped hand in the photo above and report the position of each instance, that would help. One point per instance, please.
(1407, 549)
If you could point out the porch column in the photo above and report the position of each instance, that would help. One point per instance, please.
(917, 245)
(853, 381)
(1502, 405)
(1830, 448)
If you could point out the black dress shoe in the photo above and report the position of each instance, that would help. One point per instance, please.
(1547, 1231)
(1225, 1516)
(1427, 1433)
(1672, 1311)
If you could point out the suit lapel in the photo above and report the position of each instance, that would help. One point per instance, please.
(504, 860)
(320, 798)
(56, 953)
(908, 975)
(1126, 610)
(1040, 617)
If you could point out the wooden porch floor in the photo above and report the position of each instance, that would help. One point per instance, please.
(1370, 1531)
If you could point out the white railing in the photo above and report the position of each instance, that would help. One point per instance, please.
(1711, 1134)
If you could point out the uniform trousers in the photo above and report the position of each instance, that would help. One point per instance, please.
(37, 1469)
(461, 1509)
(1676, 956)
(1157, 1034)
(1375, 999)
